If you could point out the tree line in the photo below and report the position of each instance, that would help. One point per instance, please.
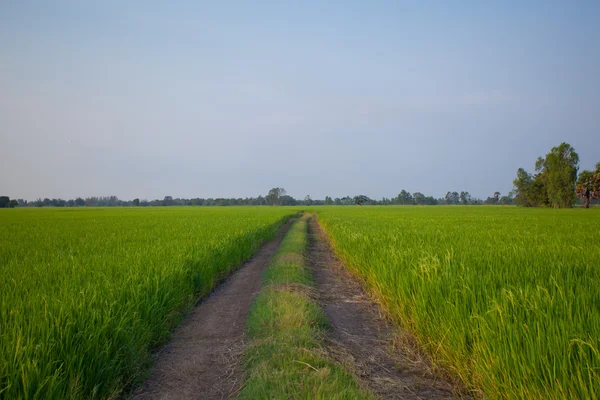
(555, 183)
(275, 197)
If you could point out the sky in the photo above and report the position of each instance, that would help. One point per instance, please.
(229, 99)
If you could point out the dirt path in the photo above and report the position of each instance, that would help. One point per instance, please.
(202, 360)
(360, 338)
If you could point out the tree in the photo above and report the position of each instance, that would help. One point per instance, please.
(405, 198)
(522, 188)
(136, 202)
(361, 199)
(286, 200)
(307, 200)
(12, 203)
(539, 185)
(4, 200)
(328, 201)
(588, 186)
(496, 197)
(465, 197)
(554, 183)
(558, 173)
(347, 200)
(419, 198)
(431, 201)
(274, 196)
(506, 200)
(452, 198)
(539, 190)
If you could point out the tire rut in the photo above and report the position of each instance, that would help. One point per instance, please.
(202, 360)
(361, 339)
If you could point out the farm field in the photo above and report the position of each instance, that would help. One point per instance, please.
(86, 294)
(507, 299)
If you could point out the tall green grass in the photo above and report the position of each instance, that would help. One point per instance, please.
(507, 299)
(86, 294)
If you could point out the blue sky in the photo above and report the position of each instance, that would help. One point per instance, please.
(216, 99)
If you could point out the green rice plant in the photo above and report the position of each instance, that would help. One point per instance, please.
(86, 294)
(507, 299)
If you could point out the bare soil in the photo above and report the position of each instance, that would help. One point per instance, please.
(202, 361)
(362, 339)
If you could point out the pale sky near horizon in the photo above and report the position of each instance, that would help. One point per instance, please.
(229, 99)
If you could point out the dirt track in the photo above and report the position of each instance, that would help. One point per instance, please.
(202, 361)
(361, 339)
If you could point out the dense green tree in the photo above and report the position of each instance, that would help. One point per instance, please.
(522, 187)
(493, 200)
(347, 200)
(419, 198)
(553, 185)
(465, 197)
(136, 202)
(452, 198)
(286, 200)
(539, 191)
(506, 200)
(4, 200)
(405, 198)
(361, 199)
(431, 201)
(274, 196)
(558, 173)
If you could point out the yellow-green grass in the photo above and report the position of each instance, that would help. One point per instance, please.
(86, 294)
(286, 358)
(507, 299)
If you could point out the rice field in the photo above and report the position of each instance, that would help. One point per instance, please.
(506, 299)
(86, 294)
